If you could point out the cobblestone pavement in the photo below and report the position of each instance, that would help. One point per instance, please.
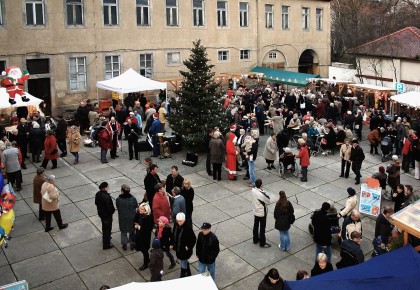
(73, 258)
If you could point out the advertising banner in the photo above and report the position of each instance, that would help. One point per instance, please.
(370, 200)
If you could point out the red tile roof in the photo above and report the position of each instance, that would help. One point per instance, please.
(404, 43)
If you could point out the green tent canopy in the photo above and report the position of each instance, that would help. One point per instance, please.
(284, 76)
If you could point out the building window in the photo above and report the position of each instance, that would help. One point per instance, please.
(172, 12)
(74, 12)
(243, 14)
(2, 65)
(143, 15)
(1, 13)
(35, 14)
(146, 65)
(272, 54)
(112, 66)
(174, 58)
(221, 13)
(198, 12)
(110, 12)
(223, 55)
(285, 17)
(319, 19)
(268, 16)
(244, 54)
(305, 18)
(77, 73)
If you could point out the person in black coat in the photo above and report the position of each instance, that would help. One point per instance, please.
(282, 140)
(188, 193)
(152, 178)
(374, 121)
(156, 261)
(356, 157)
(207, 250)
(106, 209)
(61, 134)
(398, 198)
(174, 179)
(351, 253)
(207, 139)
(36, 142)
(322, 265)
(322, 231)
(271, 281)
(164, 233)
(283, 215)
(183, 242)
(383, 226)
(133, 139)
(143, 225)
(22, 137)
(358, 123)
(82, 116)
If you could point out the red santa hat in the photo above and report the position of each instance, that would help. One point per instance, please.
(7, 70)
(156, 115)
(233, 128)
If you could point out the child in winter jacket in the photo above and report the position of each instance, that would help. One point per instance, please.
(156, 261)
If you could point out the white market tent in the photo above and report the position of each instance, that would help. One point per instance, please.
(4, 100)
(129, 82)
(410, 99)
(202, 282)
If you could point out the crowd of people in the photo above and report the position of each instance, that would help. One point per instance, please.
(317, 123)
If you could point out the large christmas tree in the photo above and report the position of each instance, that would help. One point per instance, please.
(199, 106)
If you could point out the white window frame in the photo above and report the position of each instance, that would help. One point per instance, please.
(197, 12)
(78, 75)
(319, 22)
(171, 60)
(108, 7)
(285, 17)
(244, 15)
(73, 4)
(112, 66)
(223, 55)
(306, 18)
(269, 15)
(222, 14)
(34, 4)
(172, 14)
(144, 21)
(272, 55)
(148, 69)
(245, 54)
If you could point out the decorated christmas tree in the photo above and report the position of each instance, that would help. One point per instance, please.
(199, 106)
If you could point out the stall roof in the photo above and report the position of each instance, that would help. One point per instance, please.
(408, 219)
(284, 76)
(4, 100)
(411, 99)
(372, 87)
(333, 81)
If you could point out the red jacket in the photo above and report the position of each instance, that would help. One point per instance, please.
(407, 147)
(105, 139)
(50, 146)
(161, 207)
(304, 156)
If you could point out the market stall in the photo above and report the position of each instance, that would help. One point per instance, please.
(284, 77)
(408, 220)
(410, 101)
(380, 95)
(318, 83)
(6, 110)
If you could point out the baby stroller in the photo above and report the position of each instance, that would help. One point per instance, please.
(334, 224)
(317, 149)
(386, 148)
(288, 163)
(379, 246)
(92, 140)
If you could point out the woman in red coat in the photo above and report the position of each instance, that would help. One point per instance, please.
(51, 151)
(104, 141)
(304, 159)
(231, 157)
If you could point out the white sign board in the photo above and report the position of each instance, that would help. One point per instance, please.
(370, 200)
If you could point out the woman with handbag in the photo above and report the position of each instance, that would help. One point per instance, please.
(285, 217)
(51, 150)
(50, 204)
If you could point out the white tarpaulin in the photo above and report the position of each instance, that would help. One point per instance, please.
(411, 99)
(129, 82)
(202, 282)
(4, 100)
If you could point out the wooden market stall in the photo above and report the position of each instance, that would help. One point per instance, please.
(409, 102)
(408, 220)
(317, 84)
(381, 94)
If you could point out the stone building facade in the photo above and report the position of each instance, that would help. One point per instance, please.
(69, 45)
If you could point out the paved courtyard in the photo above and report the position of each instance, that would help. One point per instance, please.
(73, 258)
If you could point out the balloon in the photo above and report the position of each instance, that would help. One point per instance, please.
(7, 221)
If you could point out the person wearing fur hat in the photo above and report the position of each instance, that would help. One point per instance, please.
(156, 261)
(164, 234)
(126, 206)
(351, 203)
(304, 159)
(356, 157)
(155, 128)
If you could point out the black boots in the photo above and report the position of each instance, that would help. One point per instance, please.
(185, 272)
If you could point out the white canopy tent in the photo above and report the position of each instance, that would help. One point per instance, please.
(410, 99)
(4, 100)
(202, 282)
(129, 82)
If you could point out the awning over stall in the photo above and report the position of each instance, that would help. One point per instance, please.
(284, 76)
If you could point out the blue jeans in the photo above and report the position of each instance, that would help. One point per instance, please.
(323, 249)
(184, 264)
(251, 165)
(125, 240)
(210, 267)
(284, 240)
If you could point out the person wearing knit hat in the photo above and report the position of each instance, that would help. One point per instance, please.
(106, 209)
(156, 261)
(164, 233)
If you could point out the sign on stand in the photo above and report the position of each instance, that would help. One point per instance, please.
(400, 87)
(370, 200)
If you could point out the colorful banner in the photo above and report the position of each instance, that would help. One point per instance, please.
(21, 285)
(370, 200)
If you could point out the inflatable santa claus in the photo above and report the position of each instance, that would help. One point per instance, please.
(13, 82)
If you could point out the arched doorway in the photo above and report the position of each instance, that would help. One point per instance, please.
(308, 62)
(274, 59)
